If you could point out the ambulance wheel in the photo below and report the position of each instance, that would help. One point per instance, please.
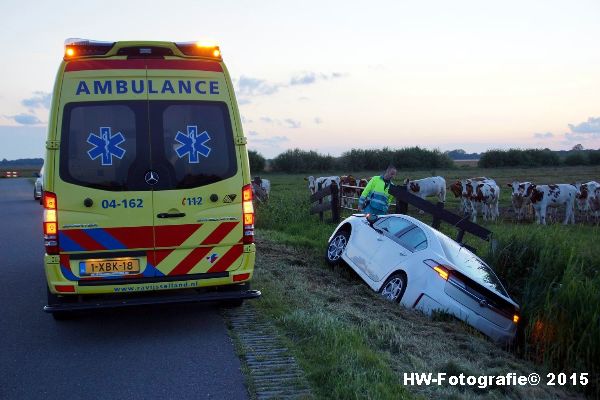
(394, 287)
(336, 247)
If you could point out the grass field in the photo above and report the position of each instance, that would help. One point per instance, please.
(335, 323)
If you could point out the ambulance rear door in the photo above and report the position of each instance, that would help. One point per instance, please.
(105, 210)
(197, 209)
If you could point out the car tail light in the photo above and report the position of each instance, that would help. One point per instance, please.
(516, 318)
(50, 223)
(441, 270)
(248, 214)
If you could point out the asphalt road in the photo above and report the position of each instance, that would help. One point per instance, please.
(167, 352)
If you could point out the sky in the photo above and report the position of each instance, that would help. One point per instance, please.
(334, 75)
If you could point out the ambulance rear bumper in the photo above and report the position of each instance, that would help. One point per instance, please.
(94, 302)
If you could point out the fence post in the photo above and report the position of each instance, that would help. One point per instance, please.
(460, 236)
(401, 206)
(335, 203)
(436, 217)
(320, 202)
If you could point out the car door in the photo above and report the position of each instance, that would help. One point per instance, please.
(364, 243)
(402, 240)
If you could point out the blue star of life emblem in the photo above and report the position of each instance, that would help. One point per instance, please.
(106, 145)
(192, 144)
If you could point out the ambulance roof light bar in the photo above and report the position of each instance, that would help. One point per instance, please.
(200, 49)
(76, 47)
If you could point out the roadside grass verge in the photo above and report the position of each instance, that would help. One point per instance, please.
(353, 344)
(551, 271)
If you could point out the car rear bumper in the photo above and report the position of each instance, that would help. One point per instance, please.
(89, 302)
(446, 304)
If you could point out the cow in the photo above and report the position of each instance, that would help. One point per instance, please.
(585, 192)
(594, 204)
(457, 188)
(520, 202)
(484, 194)
(432, 186)
(554, 196)
(347, 198)
(261, 188)
(324, 181)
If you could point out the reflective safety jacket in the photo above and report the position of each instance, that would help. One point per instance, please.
(375, 198)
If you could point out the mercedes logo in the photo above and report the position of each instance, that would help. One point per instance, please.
(151, 178)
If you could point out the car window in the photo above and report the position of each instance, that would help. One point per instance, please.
(195, 141)
(413, 238)
(394, 225)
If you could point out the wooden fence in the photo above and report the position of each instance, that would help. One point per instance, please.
(439, 213)
(333, 205)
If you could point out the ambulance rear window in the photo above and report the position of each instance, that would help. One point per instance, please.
(101, 142)
(195, 139)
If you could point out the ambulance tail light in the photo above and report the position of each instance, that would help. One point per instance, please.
(248, 214)
(200, 49)
(77, 48)
(50, 223)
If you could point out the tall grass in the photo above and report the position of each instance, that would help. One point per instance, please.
(552, 271)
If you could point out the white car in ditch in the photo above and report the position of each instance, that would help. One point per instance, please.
(411, 263)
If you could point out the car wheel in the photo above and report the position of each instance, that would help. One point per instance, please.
(394, 287)
(336, 247)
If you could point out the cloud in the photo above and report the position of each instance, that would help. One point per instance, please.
(287, 123)
(248, 86)
(291, 123)
(25, 119)
(547, 135)
(308, 78)
(583, 132)
(252, 133)
(256, 87)
(246, 120)
(38, 100)
(318, 120)
(591, 126)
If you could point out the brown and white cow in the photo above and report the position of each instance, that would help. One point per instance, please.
(594, 203)
(432, 186)
(544, 196)
(348, 193)
(484, 194)
(457, 189)
(324, 181)
(520, 202)
(585, 192)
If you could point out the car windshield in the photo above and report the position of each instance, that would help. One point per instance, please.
(470, 264)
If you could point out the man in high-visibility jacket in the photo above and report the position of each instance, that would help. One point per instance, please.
(375, 198)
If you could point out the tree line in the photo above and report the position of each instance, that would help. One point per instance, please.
(302, 161)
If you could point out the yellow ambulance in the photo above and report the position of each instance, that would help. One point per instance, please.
(147, 195)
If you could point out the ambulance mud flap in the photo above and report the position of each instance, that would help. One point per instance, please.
(93, 302)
